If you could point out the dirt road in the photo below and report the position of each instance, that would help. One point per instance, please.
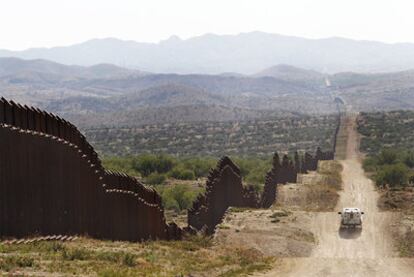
(366, 253)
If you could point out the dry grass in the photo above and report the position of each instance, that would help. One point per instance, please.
(400, 199)
(321, 198)
(315, 192)
(331, 174)
(406, 244)
(195, 256)
(323, 195)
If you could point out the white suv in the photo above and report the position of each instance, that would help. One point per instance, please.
(351, 217)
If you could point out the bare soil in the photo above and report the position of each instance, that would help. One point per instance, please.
(276, 233)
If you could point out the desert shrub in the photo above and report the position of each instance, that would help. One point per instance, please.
(182, 173)
(408, 159)
(257, 175)
(153, 167)
(406, 244)
(120, 164)
(75, 254)
(147, 164)
(388, 156)
(393, 129)
(252, 169)
(129, 260)
(200, 166)
(9, 263)
(170, 203)
(369, 164)
(391, 167)
(392, 175)
(177, 197)
(155, 179)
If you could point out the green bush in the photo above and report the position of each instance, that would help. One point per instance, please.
(370, 164)
(177, 197)
(75, 254)
(182, 173)
(391, 167)
(129, 260)
(155, 179)
(200, 166)
(9, 263)
(170, 203)
(257, 175)
(120, 164)
(392, 175)
(187, 175)
(253, 169)
(147, 164)
(408, 159)
(388, 156)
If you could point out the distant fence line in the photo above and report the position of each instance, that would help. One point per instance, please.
(224, 188)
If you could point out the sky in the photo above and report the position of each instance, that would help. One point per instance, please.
(47, 23)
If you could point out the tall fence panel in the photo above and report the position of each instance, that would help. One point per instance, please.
(52, 182)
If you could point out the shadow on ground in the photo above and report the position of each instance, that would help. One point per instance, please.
(350, 233)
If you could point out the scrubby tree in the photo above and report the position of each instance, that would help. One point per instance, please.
(181, 173)
(147, 164)
(388, 156)
(178, 197)
(393, 175)
(155, 178)
(409, 159)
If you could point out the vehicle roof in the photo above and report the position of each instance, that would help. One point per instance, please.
(355, 210)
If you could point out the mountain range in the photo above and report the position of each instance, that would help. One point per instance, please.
(104, 94)
(245, 53)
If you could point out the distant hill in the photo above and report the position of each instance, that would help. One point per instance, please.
(159, 96)
(376, 92)
(245, 53)
(293, 74)
(290, 73)
(48, 71)
(114, 94)
(168, 95)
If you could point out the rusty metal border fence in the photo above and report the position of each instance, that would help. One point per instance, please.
(52, 182)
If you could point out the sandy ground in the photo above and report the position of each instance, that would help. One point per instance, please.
(290, 236)
(365, 253)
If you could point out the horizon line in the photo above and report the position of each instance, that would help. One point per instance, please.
(178, 38)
